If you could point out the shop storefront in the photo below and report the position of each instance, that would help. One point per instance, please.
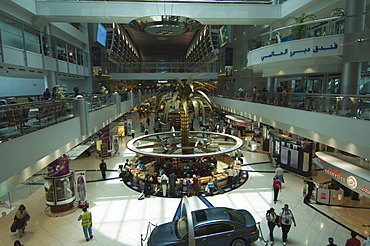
(292, 154)
(242, 125)
(353, 179)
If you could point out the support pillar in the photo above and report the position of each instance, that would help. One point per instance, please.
(51, 78)
(270, 84)
(354, 23)
(83, 112)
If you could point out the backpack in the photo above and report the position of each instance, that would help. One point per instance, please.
(186, 182)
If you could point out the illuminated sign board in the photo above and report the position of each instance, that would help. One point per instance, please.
(358, 183)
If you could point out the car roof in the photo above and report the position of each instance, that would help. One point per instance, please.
(210, 214)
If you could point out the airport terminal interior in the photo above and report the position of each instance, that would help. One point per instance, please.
(226, 94)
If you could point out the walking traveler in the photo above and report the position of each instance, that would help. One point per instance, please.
(17, 243)
(154, 181)
(164, 181)
(47, 94)
(147, 185)
(331, 242)
(286, 218)
(103, 169)
(230, 173)
(276, 185)
(279, 173)
(366, 242)
(86, 223)
(310, 188)
(272, 221)
(187, 185)
(353, 241)
(20, 219)
(195, 185)
(172, 179)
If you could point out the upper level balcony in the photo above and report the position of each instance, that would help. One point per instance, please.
(320, 46)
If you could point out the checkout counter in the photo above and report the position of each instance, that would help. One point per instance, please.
(325, 194)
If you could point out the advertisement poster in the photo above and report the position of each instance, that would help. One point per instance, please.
(80, 187)
(121, 130)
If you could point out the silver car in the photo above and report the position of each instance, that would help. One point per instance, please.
(212, 227)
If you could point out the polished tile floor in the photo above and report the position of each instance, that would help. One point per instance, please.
(119, 218)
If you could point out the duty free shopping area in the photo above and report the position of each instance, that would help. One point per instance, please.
(119, 218)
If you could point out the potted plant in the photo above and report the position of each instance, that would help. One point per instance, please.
(103, 90)
(301, 31)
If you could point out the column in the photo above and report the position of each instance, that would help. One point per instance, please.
(51, 78)
(351, 70)
(84, 117)
(117, 100)
(271, 84)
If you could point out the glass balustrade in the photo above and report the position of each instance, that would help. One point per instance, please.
(17, 119)
(21, 118)
(162, 67)
(355, 106)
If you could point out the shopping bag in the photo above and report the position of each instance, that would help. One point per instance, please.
(13, 228)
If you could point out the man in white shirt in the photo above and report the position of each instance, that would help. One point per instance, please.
(286, 218)
(279, 173)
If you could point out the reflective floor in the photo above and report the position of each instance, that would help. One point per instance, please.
(119, 218)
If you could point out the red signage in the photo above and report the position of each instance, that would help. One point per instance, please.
(336, 174)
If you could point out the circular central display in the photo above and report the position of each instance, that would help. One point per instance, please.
(166, 144)
(164, 25)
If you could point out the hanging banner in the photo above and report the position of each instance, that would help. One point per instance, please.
(80, 188)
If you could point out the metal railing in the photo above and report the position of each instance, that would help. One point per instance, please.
(161, 67)
(321, 27)
(355, 106)
(17, 119)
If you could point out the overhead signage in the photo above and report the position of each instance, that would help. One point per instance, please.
(365, 74)
(354, 182)
(291, 53)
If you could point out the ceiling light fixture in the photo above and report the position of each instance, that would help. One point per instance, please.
(164, 25)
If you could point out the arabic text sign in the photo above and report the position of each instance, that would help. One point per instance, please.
(298, 49)
(291, 53)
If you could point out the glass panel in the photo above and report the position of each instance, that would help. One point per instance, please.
(18, 119)
(11, 32)
(61, 47)
(71, 54)
(49, 191)
(32, 40)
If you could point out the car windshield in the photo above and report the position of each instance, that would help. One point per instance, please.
(236, 216)
(181, 227)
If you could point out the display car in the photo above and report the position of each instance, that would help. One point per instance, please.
(212, 226)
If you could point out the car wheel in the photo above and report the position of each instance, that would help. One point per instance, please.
(238, 242)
